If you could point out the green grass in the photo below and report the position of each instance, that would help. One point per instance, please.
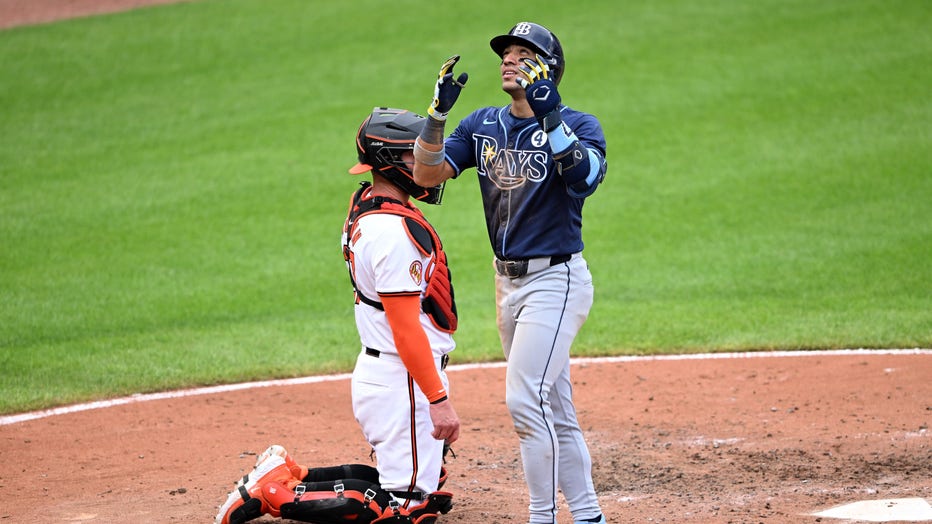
(173, 181)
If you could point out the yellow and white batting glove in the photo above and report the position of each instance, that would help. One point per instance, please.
(447, 90)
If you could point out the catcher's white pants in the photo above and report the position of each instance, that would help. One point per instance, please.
(394, 416)
(539, 315)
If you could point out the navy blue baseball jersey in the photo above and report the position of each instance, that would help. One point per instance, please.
(528, 211)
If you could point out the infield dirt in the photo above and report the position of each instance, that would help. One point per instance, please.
(734, 440)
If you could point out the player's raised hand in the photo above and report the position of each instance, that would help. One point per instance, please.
(447, 89)
(541, 91)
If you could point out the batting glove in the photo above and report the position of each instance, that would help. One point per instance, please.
(541, 92)
(447, 90)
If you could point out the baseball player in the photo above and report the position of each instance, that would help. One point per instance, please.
(405, 315)
(537, 160)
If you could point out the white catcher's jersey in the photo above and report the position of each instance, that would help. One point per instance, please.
(386, 261)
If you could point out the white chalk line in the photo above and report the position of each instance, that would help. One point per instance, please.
(210, 390)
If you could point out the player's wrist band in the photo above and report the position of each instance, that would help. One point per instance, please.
(427, 157)
(551, 120)
(561, 138)
(432, 133)
(439, 400)
(437, 115)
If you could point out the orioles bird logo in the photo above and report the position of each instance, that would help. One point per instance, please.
(416, 271)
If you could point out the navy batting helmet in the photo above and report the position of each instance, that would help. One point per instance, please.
(382, 137)
(536, 37)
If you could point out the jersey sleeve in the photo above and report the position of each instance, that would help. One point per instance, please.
(459, 145)
(397, 265)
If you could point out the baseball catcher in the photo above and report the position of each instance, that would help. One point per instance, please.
(405, 315)
(349, 493)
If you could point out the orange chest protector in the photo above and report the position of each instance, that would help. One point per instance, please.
(438, 301)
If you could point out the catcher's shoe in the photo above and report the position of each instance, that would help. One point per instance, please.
(247, 501)
(394, 514)
(298, 471)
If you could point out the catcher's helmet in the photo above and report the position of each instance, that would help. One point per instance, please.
(538, 38)
(382, 137)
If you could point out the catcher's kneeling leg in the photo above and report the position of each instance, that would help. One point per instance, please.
(354, 501)
(336, 502)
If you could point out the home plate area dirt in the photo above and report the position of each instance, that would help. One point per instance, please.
(731, 438)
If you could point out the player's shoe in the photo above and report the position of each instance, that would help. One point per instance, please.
(437, 503)
(600, 520)
(298, 471)
(247, 501)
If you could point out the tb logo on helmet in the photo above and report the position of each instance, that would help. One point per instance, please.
(522, 28)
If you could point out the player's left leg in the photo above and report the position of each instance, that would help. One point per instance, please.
(575, 464)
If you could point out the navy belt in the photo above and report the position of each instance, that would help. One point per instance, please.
(519, 268)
